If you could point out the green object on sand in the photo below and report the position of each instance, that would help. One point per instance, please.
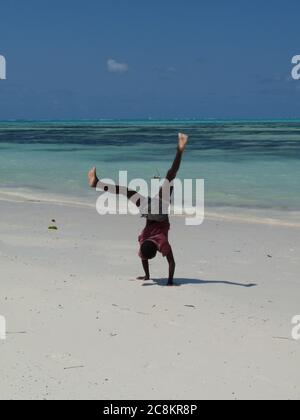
(52, 228)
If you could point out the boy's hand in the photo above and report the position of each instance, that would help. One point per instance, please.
(144, 278)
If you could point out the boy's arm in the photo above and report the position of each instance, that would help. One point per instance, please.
(172, 265)
(146, 269)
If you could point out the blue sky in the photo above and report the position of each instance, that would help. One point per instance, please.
(137, 59)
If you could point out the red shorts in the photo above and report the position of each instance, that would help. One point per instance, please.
(158, 233)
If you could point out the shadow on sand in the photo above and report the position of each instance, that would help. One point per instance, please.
(184, 282)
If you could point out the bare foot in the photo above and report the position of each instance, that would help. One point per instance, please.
(92, 177)
(182, 141)
(144, 278)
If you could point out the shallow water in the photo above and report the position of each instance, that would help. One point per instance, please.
(246, 165)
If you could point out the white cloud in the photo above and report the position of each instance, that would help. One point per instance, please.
(114, 67)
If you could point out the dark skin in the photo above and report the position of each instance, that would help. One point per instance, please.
(94, 182)
(145, 264)
(172, 265)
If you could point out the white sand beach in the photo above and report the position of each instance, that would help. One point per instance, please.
(79, 326)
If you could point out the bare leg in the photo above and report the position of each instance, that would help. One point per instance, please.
(182, 141)
(94, 182)
(166, 191)
(92, 177)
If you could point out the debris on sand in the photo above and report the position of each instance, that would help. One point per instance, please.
(53, 225)
(74, 367)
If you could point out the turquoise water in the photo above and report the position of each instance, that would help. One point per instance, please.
(251, 165)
